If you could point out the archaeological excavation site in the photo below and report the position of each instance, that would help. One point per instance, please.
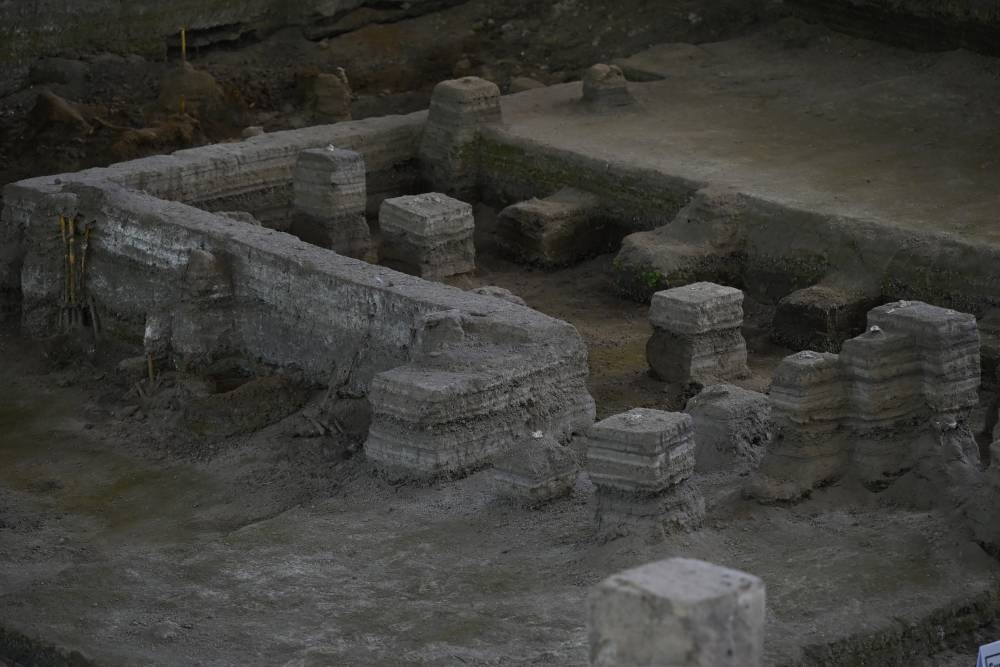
(648, 333)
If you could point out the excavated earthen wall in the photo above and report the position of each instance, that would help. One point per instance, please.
(42, 28)
(452, 376)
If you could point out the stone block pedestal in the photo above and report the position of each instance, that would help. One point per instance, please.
(428, 235)
(697, 334)
(641, 462)
(681, 612)
(329, 197)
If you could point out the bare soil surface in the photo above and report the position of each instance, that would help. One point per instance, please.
(138, 525)
(805, 117)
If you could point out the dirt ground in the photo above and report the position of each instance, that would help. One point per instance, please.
(132, 536)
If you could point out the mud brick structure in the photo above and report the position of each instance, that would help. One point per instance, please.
(449, 147)
(205, 286)
(605, 87)
(641, 463)
(330, 199)
(732, 426)
(428, 235)
(820, 317)
(535, 470)
(558, 230)
(678, 612)
(697, 334)
(860, 411)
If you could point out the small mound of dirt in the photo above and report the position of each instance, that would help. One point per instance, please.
(246, 409)
(188, 91)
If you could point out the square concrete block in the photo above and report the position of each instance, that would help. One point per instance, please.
(329, 199)
(641, 451)
(678, 612)
(819, 318)
(428, 235)
(556, 231)
(697, 334)
(458, 109)
(467, 97)
(329, 182)
(697, 308)
(605, 87)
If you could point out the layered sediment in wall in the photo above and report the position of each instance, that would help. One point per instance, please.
(42, 28)
(744, 240)
(444, 398)
(254, 175)
(916, 369)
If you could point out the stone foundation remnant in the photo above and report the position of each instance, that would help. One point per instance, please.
(428, 235)
(537, 469)
(697, 334)
(329, 197)
(556, 231)
(195, 330)
(820, 317)
(681, 612)
(862, 410)
(449, 147)
(605, 87)
(732, 426)
(641, 463)
(449, 377)
(470, 390)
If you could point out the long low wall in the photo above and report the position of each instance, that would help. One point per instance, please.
(256, 174)
(686, 233)
(253, 175)
(452, 376)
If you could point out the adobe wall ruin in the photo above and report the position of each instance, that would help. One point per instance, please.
(493, 370)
